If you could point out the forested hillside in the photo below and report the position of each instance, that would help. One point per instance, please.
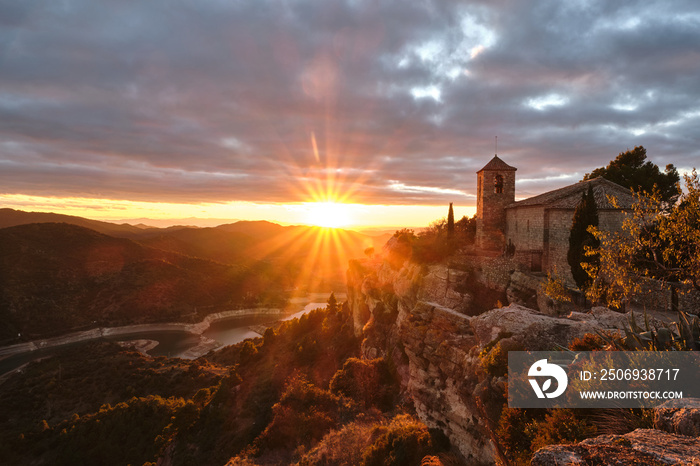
(297, 395)
(58, 277)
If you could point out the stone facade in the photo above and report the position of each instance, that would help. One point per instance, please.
(538, 227)
(495, 191)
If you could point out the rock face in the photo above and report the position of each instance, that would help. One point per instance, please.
(438, 286)
(413, 315)
(643, 446)
(674, 441)
(532, 329)
(679, 417)
(453, 366)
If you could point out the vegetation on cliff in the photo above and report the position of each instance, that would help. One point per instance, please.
(59, 278)
(585, 216)
(284, 398)
(439, 240)
(657, 241)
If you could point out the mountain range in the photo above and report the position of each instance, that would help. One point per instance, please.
(62, 273)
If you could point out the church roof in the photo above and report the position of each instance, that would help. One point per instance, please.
(569, 197)
(497, 164)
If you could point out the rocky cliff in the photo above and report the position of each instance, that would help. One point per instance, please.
(674, 440)
(452, 365)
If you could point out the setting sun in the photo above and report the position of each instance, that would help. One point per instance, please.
(328, 214)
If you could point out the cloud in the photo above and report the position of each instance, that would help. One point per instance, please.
(216, 101)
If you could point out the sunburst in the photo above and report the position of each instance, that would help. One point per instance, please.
(328, 214)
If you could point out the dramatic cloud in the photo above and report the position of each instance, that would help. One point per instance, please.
(376, 102)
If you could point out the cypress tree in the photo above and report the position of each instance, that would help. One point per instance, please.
(332, 303)
(450, 222)
(585, 215)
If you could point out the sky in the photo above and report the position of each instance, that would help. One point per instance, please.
(120, 109)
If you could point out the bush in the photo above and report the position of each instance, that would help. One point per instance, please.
(404, 442)
(369, 383)
(494, 356)
(304, 414)
(515, 434)
(562, 426)
(588, 342)
(344, 446)
(521, 432)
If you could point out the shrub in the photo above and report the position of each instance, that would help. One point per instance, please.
(404, 442)
(370, 383)
(304, 414)
(494, 356)
(521, 432)
(588, 342)
(515, 434)
(562, 426)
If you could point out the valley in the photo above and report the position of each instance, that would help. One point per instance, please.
(68, 277)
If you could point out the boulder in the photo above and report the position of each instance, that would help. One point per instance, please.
(643, 446)
(534, 330)
(679, 417)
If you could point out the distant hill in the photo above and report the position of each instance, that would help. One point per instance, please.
(316, 257)
(56, 277)
(62, 272)
(11, 218)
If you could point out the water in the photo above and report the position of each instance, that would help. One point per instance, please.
(171, 343)
(174, 343)
(235, 330)
(308, 308)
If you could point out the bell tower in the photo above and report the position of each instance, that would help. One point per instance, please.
(495, 189)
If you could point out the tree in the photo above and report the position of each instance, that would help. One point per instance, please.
(656, 241)
(585, 216)
(332, 303)
(450, 222)
(630, 170)
(466, 227)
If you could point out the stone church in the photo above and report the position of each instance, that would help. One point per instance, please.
(537, 228)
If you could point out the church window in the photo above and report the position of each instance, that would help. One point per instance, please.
(498, 184)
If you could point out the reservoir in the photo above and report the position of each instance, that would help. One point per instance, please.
(235, 330)
(174, 343)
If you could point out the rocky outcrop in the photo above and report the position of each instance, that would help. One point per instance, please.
(452, 366)
(438, 286)
(674, 441)
(679, 417)
(415, 316)
(525, 289)
(642, 446)
(532, 329)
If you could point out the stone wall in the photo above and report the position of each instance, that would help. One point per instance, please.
(490, 207)
(535, 229)
(493, 272)
(526, 228)
(559, 226)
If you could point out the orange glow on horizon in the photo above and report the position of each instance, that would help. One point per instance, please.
(165, 214)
